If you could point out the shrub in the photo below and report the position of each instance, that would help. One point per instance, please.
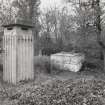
(49, 51)
(42, 64)
(55, 68)
(68, 48)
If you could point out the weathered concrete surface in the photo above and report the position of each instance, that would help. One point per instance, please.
(18, 54)
(68, 61)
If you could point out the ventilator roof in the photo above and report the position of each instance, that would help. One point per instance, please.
(21, 23)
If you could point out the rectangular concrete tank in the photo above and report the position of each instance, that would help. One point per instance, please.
(67, 61)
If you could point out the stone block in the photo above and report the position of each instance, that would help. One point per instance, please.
(67, 61)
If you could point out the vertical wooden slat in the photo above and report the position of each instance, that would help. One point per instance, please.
(14, 59)
(26, 66)
(4, 77)
(30, 53)
(4, 55)
(20, 60)
(32, 56)
(27, 56)
(7, 62)
(8, 44)
(18, 67)
(6, 58)
(19, 57)
(22, 42)
(24, 51)
(29, 43)
(23, 56)
(10, 59)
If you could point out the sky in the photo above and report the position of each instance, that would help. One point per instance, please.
(50, 4)
(47, 4)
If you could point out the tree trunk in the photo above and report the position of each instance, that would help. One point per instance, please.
(104, 60)
(99, 30)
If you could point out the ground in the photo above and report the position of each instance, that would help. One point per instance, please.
(86, 87)
(64, 88)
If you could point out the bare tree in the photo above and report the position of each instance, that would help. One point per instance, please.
(7, 12)
(57, 23)
(95, 7)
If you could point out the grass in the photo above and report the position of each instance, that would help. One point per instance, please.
(59, 92)
(41, 64)
(64, 88)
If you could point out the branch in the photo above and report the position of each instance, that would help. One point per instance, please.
(101, 44)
